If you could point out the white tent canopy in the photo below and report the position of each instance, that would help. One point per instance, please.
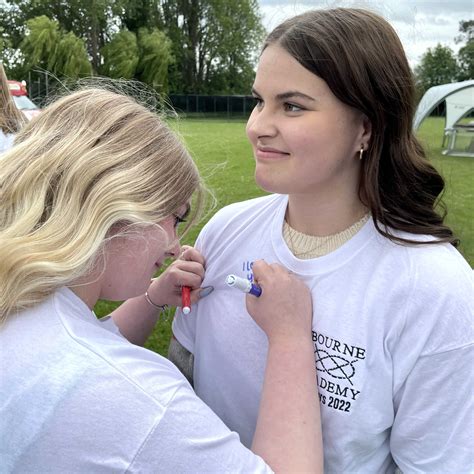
(459, 98)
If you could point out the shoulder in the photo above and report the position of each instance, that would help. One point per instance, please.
(256, 205)
(134, 371)
(137, 371)
(242, 215)
(441, 274)
(437, 284)
(436, 263)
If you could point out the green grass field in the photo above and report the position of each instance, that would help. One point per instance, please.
(224, 158)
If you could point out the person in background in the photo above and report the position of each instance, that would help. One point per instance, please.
(11, 119)
(92, 195)
(353, 213)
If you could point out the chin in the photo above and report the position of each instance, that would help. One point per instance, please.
(271, 185)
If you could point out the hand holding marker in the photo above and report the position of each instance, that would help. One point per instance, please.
(232, 280)
(243, 285)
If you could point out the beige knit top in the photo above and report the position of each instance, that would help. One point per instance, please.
(309, 246)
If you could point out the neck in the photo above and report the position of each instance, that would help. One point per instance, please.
(315, 215)
(89, 297)
(87, 289)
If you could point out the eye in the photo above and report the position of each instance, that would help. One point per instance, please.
(292, 107)
(258, 103)
(178, 220)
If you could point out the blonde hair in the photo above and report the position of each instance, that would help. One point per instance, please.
(91, 160)
(11, 119)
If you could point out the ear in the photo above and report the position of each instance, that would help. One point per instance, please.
(366, 132)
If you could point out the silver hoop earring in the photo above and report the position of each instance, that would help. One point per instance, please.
(361, 153)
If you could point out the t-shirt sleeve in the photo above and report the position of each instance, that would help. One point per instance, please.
(107, 322)
(190, 438)
(433, 427)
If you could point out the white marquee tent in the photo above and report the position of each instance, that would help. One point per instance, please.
(459, 97)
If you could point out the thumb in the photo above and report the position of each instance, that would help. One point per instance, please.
(200, 293)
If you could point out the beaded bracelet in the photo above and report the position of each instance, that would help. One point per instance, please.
(157, 306)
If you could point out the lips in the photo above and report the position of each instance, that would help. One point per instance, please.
(270, 152)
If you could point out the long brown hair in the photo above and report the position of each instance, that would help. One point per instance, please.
(11, 119)
(359, 55)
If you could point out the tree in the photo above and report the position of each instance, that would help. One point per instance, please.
(438, 66)
(71, 59)
(136, 14)
(466, 62)
(155, 58)
(91, 20)
(145, 56)
(41, 42)
(466, 53)
(47, 46)
(214, 42)
(466, 30)
(213, 49)
(121, 55)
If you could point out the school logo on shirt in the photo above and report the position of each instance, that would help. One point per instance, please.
(336, 364)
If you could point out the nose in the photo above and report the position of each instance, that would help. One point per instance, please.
(174, 250)
(261, 124)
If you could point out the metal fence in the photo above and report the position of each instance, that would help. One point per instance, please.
(230, 106)
(40, 85)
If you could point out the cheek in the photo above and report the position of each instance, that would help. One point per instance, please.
(306, 143)
(160, 241)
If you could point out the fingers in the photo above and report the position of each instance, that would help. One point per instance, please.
(179, 277)
(285, 306)
(187, 270)
(200, 293)
(183, 267)
(264, 272)
(191, 254)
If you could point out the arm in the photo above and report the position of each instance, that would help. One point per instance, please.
(288, 434)
(182, 358)
(433, 369)
(136, 317)
(433, 426)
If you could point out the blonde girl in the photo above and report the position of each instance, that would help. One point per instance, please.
(92, 194)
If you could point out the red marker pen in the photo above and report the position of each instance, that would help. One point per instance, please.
(186, 299)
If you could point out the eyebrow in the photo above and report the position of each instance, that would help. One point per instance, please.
(288, 95)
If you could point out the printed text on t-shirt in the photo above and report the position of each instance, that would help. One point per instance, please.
(336, 364)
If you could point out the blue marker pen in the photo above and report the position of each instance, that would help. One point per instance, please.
(243, 285)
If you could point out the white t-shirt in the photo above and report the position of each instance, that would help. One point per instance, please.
(77, 397)
(393, 342)
(6, 141)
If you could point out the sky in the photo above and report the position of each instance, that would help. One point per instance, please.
(420, 24)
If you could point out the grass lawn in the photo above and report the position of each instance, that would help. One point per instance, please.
(224, 158)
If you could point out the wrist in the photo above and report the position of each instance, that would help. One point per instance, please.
(149, 300)
(290, 336)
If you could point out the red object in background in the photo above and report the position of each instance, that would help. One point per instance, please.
(186, 299)
(17, 89)
(22, 101)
